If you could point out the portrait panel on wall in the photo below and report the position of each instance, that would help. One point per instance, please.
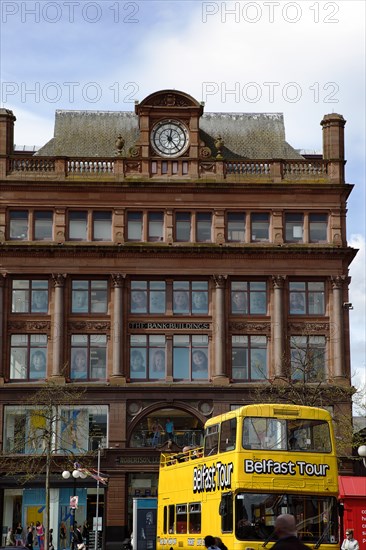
(199, 364)
(39, 301)
(138, 301)
(138, 363)
(98, 361)
(199, 302)
(157, 363)
(38, 363)
(79, 364)
(79, 301)
(18, 363)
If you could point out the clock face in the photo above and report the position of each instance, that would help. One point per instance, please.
(169, 138)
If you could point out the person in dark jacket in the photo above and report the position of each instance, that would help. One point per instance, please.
(285, 529)
(29, 538)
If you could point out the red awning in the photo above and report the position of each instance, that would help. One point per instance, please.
(351, 486)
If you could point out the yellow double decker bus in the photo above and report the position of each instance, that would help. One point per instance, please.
(257, 462)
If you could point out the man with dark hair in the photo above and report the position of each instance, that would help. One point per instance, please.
(285, 529)
(210, 543)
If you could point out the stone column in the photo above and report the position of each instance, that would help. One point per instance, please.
(117, 377)
(219, 375)
(278, 282)
(2, 281)
(57, 328)
(337, 327)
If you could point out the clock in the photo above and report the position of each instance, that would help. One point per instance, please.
(169, 138)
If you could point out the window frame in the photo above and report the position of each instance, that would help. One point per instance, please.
(302, 300)
(31, 292)
(292, 221)
(32, 346)
(190, 345)
(86, 345)
(146, 347)
(87, 294)
(310, 345)
(236, 222)
(21, 215)
(253, 221)
(37, 221)
(248, 294)
(247, 347)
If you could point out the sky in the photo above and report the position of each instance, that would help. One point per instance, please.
(304, 59)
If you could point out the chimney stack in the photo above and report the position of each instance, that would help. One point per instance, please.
(7, 120)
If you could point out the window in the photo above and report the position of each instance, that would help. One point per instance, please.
(248, 298)
(190, 357)
(78, 429)
(308, 358)
(318, 228)
(83, 428)
(194, 517)
(294, 228)
(228, 435)
(88, 356)
(307, 298)
(28, 356)
(190, 297)
(211, 440)
(102, 226)
(249, 357)
(89, 297)
(147, 357)
(236, 227)
(155, 226)
(78, 226)
(148, 297)
(227, 512)
(43, 222)
(260, 227)
(203, 227)
(181, 516)
(183, 226)
(18, 229)
(134, 226)
(29, 296)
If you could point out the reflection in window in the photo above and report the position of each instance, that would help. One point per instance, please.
(190, 357)
(89, 296)
(29, 296)
(18, 225)
(28, 356)
(249, 357)
(294, 228)
(308, 358)
(260, 227)
(147, 357)
(78, 225)
(190, 296)
(236, 227)
(148, 297)
(307, 298)
(155, 226)
(249, 298)
(88, 356)
(318, 228)
(203, 227)
(316, 517)
(183, 226)
(82, 428)
(134, 226)
(102, 226)
(43, 221)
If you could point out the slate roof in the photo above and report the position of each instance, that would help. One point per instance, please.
(93, 134)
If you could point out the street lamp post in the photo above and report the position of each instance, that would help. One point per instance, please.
(362, 453)
(97, 503)
(76, 474)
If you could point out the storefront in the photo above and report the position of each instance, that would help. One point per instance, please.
(352, 493)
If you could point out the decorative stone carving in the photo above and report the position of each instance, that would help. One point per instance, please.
(220, 280)
(205, 152)
(134, 151)
(308, 328)
(278, 281)
(118, 279)
(78, 326)
(207, 167)
(219, 144)
(253, 328)
(58, 279)
(29, 326)
(132, 167)
(120, 143)
(170, 100)
(339, 280)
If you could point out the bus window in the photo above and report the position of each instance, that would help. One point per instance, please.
(194, 517)
(264, 433)
(171, 518)
(228, 435)
(211, 440)
(165, 520)
(226, 512)
(181, 518)
(309, 435)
